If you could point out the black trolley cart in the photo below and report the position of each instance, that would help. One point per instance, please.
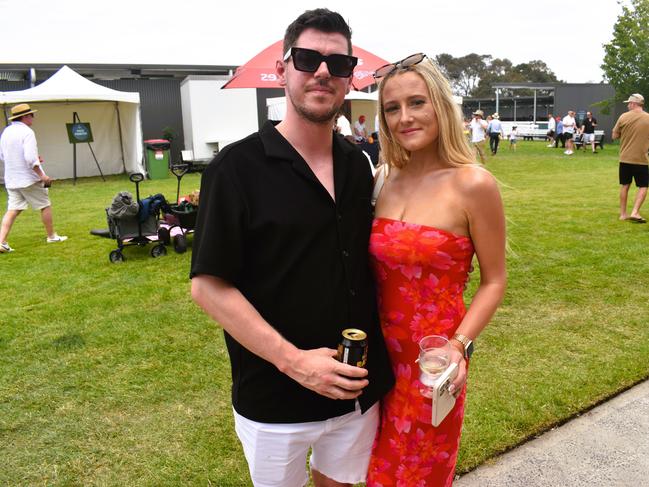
(181, 216)
(132, 230)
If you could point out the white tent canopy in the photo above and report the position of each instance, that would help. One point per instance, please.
(114, 118)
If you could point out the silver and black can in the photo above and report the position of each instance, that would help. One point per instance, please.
(353, 347)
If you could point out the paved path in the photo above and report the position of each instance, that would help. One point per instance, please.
(606, 447)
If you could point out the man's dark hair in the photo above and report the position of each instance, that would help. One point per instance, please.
(321, 19)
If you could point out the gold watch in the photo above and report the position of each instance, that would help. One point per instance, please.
(466, 342)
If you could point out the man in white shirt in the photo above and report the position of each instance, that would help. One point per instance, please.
(495, 131)
(360, 132)
(569, 125)
(478, 128)
(25, 180)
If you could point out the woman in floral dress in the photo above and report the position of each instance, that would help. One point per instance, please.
(436, 209)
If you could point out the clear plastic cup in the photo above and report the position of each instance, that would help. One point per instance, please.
(433, 360)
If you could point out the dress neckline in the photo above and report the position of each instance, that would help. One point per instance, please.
(456, 235)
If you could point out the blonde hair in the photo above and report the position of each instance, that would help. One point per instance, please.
(453, 146)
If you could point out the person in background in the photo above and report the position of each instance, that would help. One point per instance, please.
(552, 127)
(559, 136)
(487, 132)
(360, 131)
(280, 261)
(343, 127)
(632, 128)
(588, 131)
(478, 129)
(26, 182)
(569, 127)
(495, 130)
(513, 137)
(435, 209)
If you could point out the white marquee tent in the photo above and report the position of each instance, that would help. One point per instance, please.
(114, 118)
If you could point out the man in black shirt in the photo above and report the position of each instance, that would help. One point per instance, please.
(280, 262)
(588, 131)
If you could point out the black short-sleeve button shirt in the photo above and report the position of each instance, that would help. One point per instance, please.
(268, 226)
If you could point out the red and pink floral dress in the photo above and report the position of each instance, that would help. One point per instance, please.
(420, 273)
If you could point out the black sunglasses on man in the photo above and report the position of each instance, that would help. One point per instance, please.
(308, 61)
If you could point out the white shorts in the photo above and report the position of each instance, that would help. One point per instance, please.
(35, 196)
(588, 138)
(341, 447)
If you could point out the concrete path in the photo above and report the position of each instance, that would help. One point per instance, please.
(606, 447)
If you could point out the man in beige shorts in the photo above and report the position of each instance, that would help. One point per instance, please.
(478, 128)
(632, 128)
(25, 180)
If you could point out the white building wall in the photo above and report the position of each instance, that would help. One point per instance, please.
(212, 117)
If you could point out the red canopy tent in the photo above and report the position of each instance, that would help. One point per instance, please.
(259, 72)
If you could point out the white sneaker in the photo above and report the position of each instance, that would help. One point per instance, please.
(550, 145)
(4, 248)
(57, 238)
(568, 152)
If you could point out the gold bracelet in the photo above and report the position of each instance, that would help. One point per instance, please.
(464, 340)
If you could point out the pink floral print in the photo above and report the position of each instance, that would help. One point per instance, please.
(420, 273)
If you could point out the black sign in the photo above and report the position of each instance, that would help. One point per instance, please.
(79, 132)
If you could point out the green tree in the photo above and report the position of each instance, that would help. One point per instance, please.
(535, 72)
(496, 70)
(463, 72)
(475, 74)
(626, 59)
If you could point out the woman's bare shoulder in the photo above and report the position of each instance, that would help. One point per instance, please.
(472, 178)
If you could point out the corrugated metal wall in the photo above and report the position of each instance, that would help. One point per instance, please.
(582, 98)
(160, 106)
(13, 85)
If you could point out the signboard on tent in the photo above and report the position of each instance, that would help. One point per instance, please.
(79, 132)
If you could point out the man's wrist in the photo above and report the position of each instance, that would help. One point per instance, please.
(288, 354)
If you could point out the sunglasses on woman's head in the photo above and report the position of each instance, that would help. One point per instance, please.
(308, 60)
(403, 64)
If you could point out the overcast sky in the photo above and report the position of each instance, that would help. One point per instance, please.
(566, 34)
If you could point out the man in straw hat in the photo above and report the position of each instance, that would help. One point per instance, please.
(632, 128)
(25, 180)
(478, 128)
(495, 131)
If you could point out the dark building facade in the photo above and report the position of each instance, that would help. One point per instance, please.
(555, 98)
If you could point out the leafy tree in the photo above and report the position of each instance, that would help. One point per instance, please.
(626, 59)
(474, 74)
(535, 72)
(463, 72)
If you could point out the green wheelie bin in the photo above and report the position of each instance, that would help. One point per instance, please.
(157, 158)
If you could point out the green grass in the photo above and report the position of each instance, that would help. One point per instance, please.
(110, 375)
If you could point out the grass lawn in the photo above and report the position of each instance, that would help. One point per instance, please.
(110, 375)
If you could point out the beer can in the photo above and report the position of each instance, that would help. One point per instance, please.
(352, 349)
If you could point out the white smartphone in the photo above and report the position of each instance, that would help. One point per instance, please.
(443, 401)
